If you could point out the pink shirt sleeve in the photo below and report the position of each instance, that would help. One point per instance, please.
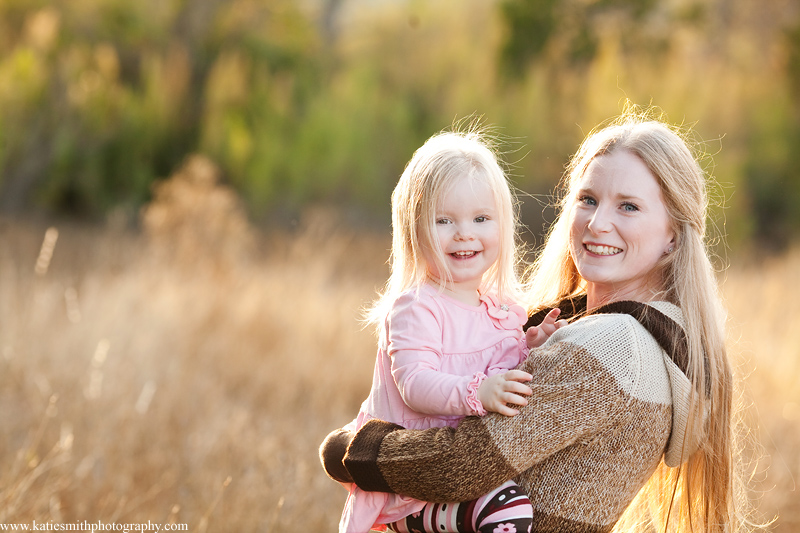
(415, 351)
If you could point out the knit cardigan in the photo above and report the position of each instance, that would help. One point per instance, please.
(608, 404)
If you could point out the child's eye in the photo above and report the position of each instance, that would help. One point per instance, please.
(443, 221)
(482, 218)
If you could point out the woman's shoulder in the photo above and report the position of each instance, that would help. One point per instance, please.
(591, 328)
(670, 310)
(612, 339)
(625, 347)
(618, 325)
(615, 335)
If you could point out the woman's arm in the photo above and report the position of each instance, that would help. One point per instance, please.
(577, 394)
(459, 465)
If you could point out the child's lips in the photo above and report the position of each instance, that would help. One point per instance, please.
(465, 254)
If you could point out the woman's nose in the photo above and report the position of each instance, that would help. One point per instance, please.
(600, 221)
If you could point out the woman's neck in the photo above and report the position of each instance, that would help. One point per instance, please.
(598, 295)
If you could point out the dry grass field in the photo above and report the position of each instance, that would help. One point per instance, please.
(186, 372)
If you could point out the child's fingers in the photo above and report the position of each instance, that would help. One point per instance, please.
(517, 375)
(506, 410)
(532, 337)
(515, 387)
(514, 399)
(551, 316)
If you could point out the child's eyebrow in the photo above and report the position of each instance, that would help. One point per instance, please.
(488, 208)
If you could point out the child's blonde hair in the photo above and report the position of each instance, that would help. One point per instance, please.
(444, 159)
(702, 489)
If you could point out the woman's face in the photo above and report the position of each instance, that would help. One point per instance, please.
(619, 229)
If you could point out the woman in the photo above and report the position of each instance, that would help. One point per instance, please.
(634, 393)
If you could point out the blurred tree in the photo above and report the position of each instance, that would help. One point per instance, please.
(530, 24)
(570, 29)
(329, 25)
(793, 64)
(98, 98)
(772, 167)
(324, 101)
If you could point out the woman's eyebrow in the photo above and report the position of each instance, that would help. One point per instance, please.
(618, 196)
(630, 197)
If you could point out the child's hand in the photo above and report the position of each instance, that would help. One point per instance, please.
(536, 335)
(501, 389)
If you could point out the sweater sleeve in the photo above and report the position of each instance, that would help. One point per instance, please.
(415, 350)
(577, 394)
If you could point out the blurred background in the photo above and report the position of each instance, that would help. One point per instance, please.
(194, 208)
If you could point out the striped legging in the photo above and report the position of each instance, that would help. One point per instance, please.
(506, 509)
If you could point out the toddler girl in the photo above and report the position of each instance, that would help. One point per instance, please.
(450, 333)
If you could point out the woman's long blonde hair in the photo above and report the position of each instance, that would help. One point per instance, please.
(699, 495)
(444, 159)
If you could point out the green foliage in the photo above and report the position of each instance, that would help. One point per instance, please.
(570, 29)
(101, 98)
(530, 24)
(771, 176)
(792, 44)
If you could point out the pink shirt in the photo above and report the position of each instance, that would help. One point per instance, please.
(434, 353)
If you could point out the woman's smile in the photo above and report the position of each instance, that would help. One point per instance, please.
(599, 249)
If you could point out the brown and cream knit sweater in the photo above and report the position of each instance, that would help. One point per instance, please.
(608, 403)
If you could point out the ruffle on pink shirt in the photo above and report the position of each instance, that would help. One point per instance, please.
(504, 316)
(472, 394)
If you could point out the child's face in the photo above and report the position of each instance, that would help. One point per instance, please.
(468, 231)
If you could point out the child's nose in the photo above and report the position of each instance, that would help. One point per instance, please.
(464, 233)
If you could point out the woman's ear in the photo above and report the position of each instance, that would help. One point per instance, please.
(670, 247)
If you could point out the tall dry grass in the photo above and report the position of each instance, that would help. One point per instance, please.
(763, 301)
(187, 372)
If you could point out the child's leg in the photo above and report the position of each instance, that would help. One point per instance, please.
(506, 509)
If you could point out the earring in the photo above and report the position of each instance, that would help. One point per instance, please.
(671, 249)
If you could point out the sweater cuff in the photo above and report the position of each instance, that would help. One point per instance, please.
(361, 459)
(331, 454)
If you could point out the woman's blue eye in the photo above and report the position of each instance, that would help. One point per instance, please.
(588, 200)
(629, 207)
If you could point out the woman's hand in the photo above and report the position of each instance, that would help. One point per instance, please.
(501, 389)
(537, 335)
